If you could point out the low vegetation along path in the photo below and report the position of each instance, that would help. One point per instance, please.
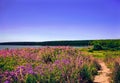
(104, 73)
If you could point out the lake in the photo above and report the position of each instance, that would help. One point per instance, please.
(22, 46)
(18, 46)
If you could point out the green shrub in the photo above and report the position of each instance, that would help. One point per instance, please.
(86, 75)
(90, 50)
(97, 47)
(31, 79)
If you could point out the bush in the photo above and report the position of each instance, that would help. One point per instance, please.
(86, 75)
(97, 47)
(31, 79)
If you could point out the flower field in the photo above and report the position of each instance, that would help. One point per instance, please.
(46, 65)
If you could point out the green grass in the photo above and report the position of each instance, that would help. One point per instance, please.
(101, 54)
(96, 54)
(108, 56)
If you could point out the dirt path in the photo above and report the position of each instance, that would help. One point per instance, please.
(103, 76)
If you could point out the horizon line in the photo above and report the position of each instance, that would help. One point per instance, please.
(60, 40)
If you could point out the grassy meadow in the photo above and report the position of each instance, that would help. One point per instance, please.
(61, 64)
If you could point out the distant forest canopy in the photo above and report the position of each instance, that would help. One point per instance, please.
(110, 43)
(51, 43)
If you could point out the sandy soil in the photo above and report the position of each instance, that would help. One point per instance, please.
(104, 73)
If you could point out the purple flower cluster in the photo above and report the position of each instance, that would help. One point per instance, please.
(63, 62)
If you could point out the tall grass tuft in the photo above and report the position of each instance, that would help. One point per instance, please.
(116, 72)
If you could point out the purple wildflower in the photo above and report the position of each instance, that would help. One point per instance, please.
(7, 81)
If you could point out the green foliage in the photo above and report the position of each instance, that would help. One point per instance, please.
(31, 79)
(106, 44)
(86, 74)
(8, 63)
(97, 47)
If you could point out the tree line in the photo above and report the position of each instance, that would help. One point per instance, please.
(97, 44)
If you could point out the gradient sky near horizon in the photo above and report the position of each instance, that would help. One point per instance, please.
(46, 20)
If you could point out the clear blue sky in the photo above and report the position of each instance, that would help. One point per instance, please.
(43, 20)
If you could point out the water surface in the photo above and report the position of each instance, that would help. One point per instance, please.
(23, 46)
